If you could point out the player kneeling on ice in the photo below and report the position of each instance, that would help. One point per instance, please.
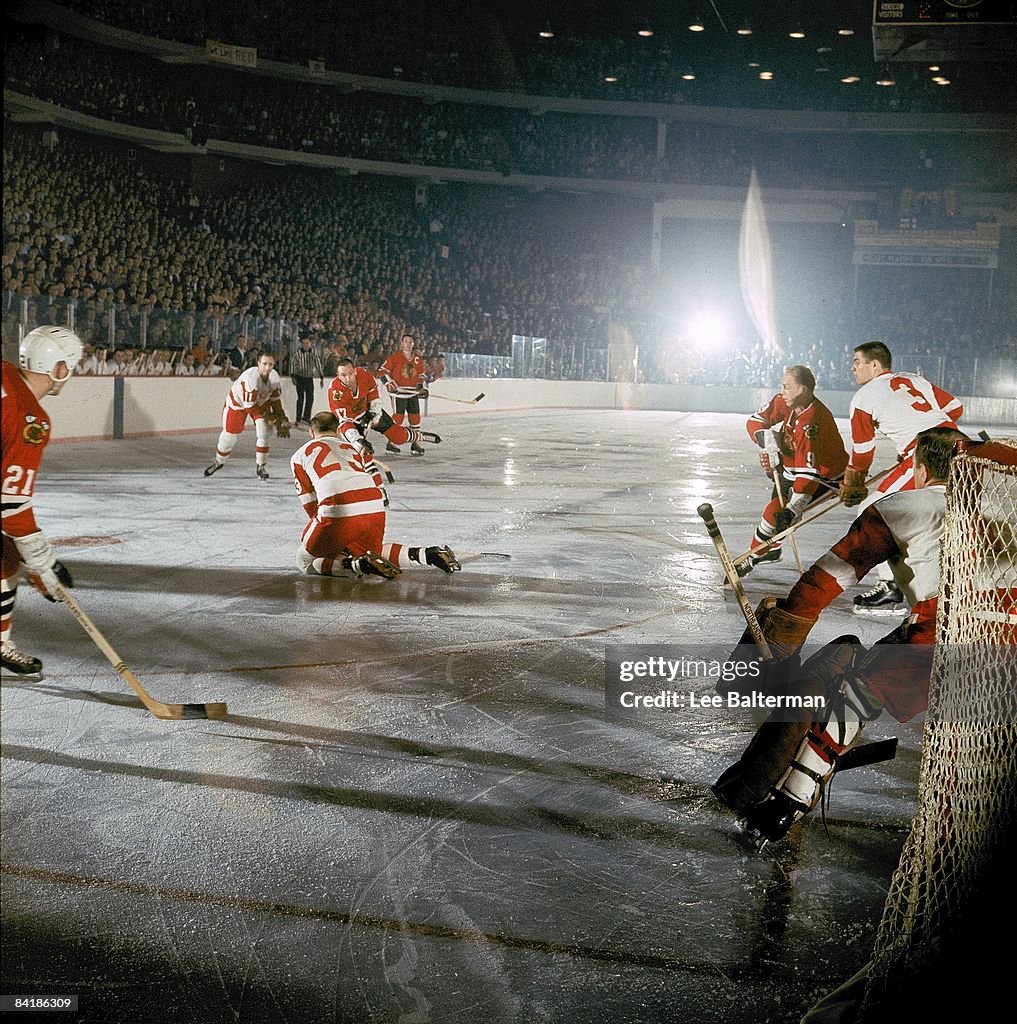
(345, 535)
(782, 774)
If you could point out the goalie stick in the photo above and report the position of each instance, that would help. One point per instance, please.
(461, 401)
(706, 512)
(215, 709)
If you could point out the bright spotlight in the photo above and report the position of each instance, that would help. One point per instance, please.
(707, 330)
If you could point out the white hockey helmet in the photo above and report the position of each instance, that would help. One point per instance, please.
(45, 348)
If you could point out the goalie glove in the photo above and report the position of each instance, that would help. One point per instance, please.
(852, 489)
(41, 563)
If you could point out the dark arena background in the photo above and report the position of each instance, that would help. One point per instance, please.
(608, 228)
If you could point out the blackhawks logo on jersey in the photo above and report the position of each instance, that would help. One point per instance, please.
(811, 430)
(36, 431)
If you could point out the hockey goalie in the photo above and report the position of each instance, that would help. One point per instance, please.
(783, 772)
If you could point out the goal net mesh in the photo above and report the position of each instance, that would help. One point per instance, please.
(956, 866)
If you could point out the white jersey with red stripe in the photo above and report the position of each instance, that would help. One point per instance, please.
(899, 406)
(331, 481)
(904, 528)
(250, 390)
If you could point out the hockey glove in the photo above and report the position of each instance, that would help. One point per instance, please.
(40, 562)
(784, 519)
(852, 489)
(282, 429)
(769, 457)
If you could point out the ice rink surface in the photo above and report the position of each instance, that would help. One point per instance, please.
(418, 808)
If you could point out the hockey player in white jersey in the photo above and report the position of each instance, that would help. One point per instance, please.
(346, 509)
(899, 406)
(782, 774)
(256, 393)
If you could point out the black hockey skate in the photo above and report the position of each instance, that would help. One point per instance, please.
(771, 820)
(17, 662)
(885, 598)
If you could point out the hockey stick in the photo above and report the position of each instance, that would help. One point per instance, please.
(461, 401)
(794, 543)
(215, 709)
(820, 508)
(482, 556)
(706, 512)
(385, 468)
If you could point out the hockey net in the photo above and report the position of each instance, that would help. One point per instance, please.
(956, 867)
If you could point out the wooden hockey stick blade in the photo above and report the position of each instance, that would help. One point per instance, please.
(867, 753)
(706, 513)
(482, 556)
(214, 709)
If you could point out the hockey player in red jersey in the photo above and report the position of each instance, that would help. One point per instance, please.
(48, 356)
(781, 775)
(353, 395)
(345, 506)
(404, 375)
(897, 405)
(256, 393)
(801, 449)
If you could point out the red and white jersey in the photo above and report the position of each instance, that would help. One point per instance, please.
(904, 528)
(409, 375)
(899, 406)
(250, 391)
(331, 481)
(352, 403)
(26, 432)
(810, 444)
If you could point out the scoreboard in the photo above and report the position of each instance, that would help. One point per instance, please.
(944, 30)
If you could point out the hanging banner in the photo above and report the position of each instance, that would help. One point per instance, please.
(227, 53)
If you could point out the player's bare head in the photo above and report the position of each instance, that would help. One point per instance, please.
(870, 360)
(323, 423)
(346, 372)
(407, 343)
(797, 386)
(266, 363)
(875, 352)
(934, 450)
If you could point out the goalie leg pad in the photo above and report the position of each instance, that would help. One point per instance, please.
(777, 742)
(802, 784)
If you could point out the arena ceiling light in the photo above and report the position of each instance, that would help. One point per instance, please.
(850, 79)
(745, 30)
(546, 32)
(845, 31)
(689, 75)
(696, 25)
(645, 31)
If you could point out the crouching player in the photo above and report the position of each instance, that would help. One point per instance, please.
(353, 394)
(345, 535)
(782, 773)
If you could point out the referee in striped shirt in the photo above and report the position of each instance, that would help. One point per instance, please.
(305, 365)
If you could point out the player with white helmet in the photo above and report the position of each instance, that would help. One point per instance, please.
(47, 359)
